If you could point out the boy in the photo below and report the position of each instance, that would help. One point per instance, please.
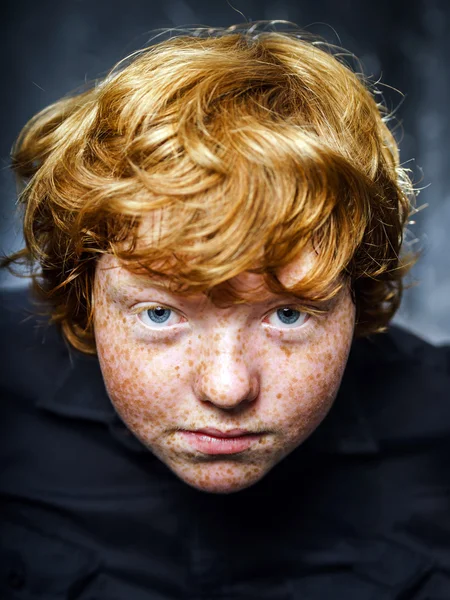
(217, 228)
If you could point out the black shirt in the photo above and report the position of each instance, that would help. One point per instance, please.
(360, 510)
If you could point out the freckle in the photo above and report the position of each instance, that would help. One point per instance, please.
(190, 362)
(287, 351)
(278, 395)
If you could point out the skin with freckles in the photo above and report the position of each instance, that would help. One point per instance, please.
(171, 363)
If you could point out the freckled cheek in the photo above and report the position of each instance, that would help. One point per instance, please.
(319, 378)
(305, 381)
(302, 397)
(142, 379)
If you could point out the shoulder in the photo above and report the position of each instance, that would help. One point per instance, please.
(398, 345)
(33, 351)
(404, 387)
(19, 314)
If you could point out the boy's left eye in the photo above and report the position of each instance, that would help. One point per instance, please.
(287, 317)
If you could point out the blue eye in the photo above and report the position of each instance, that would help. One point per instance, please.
(287, 317)
(160, 317)
(159, 314)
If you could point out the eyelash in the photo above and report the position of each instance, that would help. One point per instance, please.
(313, 313)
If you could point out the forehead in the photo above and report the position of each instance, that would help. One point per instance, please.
(114, 273)
(153, 227)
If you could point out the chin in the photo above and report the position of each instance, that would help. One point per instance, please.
(220, 487)
(220, 483)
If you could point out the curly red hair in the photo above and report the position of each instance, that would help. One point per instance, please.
(248, 144)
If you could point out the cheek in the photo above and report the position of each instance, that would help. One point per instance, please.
(306, 379)
(142, 380)
(303, 389)
(119, 364)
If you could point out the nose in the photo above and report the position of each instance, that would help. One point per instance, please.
(226, 376)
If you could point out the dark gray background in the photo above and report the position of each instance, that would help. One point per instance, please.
(50, 48)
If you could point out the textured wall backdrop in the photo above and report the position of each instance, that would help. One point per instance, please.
(51, 47)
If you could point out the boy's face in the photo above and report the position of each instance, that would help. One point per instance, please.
(172, 365)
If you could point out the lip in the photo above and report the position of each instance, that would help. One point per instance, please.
(230, 433)
(212, 444)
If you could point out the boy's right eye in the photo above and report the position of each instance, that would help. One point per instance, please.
(159, 317)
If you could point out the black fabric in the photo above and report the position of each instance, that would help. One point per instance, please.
(360, 511)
